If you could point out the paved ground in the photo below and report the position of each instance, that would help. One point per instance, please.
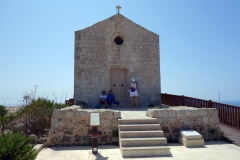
(218, 150)
(232, 134)
(128, 113)
(215, 150)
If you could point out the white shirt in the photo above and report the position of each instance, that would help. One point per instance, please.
(103, 97)
(134, 85)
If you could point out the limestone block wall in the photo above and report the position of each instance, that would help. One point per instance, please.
(172, 120)
(70, 126)
(96, 54)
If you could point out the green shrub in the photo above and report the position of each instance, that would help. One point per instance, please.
(115, 132)
(3, 111)
(5, 120)
(37, 116)
(4, 117)
(16, 147)
(157, 107)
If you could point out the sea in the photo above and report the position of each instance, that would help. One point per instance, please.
(234, 103)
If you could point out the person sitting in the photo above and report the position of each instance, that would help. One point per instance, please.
(110, 98)
(103, 99)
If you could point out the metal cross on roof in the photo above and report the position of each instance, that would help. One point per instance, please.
(118, 8)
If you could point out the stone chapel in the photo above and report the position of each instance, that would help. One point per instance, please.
(111, 52)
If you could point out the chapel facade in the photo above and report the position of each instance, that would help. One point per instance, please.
(111, 52)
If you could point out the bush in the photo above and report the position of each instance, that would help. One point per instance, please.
(115, 132)
(4, 117)
(16, 147)
(157, 107)
(37, 115)
(34, 118)
(3, 111)
(6, 120)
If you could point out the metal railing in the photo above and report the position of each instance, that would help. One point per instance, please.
(228, 114)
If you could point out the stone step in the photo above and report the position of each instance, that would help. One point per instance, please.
(191, 138)
(191, 142)
(141, 134)
(139, 127)
(145, 151)
(141, 138)
(138, 121)
(137, 142)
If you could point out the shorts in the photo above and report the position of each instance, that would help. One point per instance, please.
(134, 94)
(102, 102)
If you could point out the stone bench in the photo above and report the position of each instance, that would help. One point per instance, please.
(191, 138)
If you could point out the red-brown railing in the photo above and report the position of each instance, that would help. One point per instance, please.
(228, 114)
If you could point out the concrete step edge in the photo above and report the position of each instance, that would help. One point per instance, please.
(38, 147)
(127, 125)
(145, 148)
(148, 131)
(140, 119)
(143, 139)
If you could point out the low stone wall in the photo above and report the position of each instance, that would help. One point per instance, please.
(172, 120)
(70, 126)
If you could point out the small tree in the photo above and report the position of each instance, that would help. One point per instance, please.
(37, 115)
(16, 147)
(3, 111)
(3, 119)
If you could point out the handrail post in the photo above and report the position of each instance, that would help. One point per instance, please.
(166, 98)
(210, 104)
(182, 100)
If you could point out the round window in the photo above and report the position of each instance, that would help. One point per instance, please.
(118, 40)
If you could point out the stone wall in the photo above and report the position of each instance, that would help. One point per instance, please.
(172, 120)
(70, 126)
(96, 54)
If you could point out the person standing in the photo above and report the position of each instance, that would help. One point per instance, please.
(133, 93)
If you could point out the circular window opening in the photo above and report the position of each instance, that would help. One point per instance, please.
(118, 40)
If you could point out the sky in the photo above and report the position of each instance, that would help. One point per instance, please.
(199, 45)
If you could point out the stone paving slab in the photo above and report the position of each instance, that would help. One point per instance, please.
(128, 113)
(232, 134)
(218, 150)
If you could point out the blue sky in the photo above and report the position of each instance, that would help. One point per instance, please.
(199, 45)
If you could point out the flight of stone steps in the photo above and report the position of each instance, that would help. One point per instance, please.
(142, 137)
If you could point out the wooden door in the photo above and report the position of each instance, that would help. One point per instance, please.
(118, 84)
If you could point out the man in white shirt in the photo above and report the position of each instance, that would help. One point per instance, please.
(103, 99)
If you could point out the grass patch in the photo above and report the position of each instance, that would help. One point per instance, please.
(157, 107)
